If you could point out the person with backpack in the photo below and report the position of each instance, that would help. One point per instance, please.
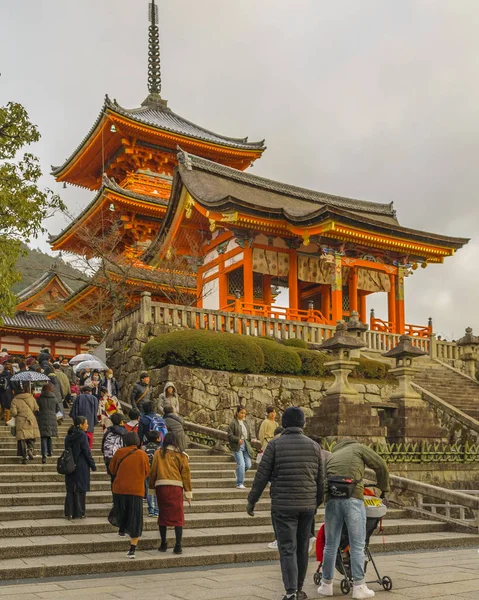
(140, 394)
(113, 439)
(86, 405)
(77, 482)
(6, 391)
(130, 467)
(134, 422)
(150, 448)
(49, 408)
(170, 477)
(150, 421)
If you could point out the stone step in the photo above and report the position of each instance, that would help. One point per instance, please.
(50, 466)
(116, 562)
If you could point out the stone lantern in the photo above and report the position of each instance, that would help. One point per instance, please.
(91, 344)
(469, 345)
(343, 411)
(357, 329)
(414, 419)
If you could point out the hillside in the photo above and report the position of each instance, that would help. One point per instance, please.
(35, 263)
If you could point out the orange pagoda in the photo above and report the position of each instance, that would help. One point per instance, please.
(128, 157)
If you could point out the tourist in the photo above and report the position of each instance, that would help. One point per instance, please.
(150, 421)
(87, 405)
(48, 411)
(44, 358)
(349, 459)
(239, 439)
(64, 383)
(6, 392)
(134, 422)
(296, 492)
(4, 356)
(129, 467)
(107, 406)
(55, 381)
(23, 409)
(95, 384)
(169, 397)
(154, 444)
(113, 439)
(141, 392)
(111, 384)
(85, 377)
(170, 477)
(68, 370)
(78, 483)
(175, 424)
(268, 427)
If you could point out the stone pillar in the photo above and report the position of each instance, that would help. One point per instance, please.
(469, 345)
(357, 329)
(145, 308)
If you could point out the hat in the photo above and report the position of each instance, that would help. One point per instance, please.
(293, 417)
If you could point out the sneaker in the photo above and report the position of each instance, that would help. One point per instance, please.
(240, 487)
(312, 541)
(177, 549)
(273, 545)
(121, 534)
(131, 553)
(362, 591)
(325, 589)
(163, 547)
(300, 595)
(150, 514)
(290, 597)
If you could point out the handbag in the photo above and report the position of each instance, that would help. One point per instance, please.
(66, 463)
(11, 422)
(341, 486)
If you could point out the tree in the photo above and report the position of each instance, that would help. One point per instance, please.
(23, 205)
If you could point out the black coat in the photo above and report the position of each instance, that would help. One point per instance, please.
(79, 480)
(6, 392)
(115, 388)
(140, 390)
(57, 387)
(47, 415)
(292, 463)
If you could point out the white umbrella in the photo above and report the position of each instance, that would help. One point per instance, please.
(82, 357)
(90, 364)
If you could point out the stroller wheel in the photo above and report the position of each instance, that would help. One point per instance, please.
(345, 586)
(317, 578)
(387, 583)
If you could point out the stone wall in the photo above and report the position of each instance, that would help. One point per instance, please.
(455, 476)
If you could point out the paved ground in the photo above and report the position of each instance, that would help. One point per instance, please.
(451, 574)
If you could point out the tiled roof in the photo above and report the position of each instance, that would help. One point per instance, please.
(37, 321)
(40, 283)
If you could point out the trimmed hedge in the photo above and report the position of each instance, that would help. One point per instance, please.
(296, 343)
(205, 349)
(312, 362)
(278, 358)
(370, 369)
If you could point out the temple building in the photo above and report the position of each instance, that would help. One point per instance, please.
(189, 219)
(31, 327)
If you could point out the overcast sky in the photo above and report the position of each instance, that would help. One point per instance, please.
(373, 99)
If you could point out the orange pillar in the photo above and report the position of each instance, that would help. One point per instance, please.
(199, 289)
(400, 313)
(353, 289)
(326, 302)
(248, 275)
(336, 290)
(267, 296)
(363, 316)
(392, 303)
(293, 280)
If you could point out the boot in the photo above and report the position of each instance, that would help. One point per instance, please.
(6, 415)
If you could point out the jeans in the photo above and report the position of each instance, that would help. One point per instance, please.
(293, 531)
(152, 504)
(352, 512)
(244, 463)
(47, 446)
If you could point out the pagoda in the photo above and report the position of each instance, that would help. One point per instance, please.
(128, 158)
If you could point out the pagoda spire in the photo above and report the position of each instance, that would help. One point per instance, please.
(154, 66)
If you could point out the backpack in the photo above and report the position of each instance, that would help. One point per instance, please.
(65, 462)
(111, 443)
(157, 424)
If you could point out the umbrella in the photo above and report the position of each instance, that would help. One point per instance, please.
(29, 376)
(90, 364)
(82, 357)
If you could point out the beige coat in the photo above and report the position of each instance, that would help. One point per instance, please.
(24, 407)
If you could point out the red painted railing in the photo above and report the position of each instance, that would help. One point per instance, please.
(258, 309)
(421, 331)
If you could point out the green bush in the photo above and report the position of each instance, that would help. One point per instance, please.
(278, 358)
(296, 343)
(312, 362)
(205, 349)
(370, 369)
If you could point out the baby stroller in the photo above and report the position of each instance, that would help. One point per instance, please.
(375, 511)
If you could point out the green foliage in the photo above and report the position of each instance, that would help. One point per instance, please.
(312, 362)
(370, 369)
(23, 205)
(296, 343)
(205, 349)
(278, 358)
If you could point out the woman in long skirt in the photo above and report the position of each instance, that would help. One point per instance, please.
(130, 468)
(171, 478)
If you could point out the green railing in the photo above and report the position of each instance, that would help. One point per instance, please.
(422, 452)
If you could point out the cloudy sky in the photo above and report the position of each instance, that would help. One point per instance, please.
(373, 99)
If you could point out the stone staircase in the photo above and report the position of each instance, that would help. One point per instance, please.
(36, 541)
(452, 387)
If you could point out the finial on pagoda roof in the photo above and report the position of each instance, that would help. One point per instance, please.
(154, 66)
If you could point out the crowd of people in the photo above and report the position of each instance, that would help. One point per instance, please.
(144, 455)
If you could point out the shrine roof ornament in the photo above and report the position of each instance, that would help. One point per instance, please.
(40, 284)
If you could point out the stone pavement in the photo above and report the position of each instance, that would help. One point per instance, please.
(440, 575)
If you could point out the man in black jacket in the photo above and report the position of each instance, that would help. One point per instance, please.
(292, 463)
(140, 394)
